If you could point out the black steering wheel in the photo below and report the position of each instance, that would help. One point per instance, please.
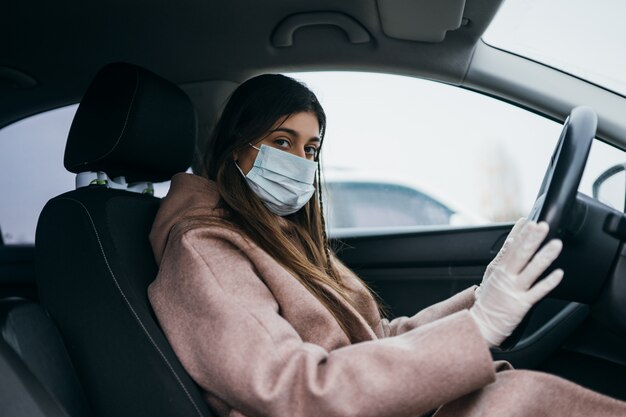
(557, 194)
(560, 184)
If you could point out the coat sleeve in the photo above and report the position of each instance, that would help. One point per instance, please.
(224, 325)
(458, 302)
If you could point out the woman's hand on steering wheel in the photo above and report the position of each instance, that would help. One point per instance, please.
(507, 291)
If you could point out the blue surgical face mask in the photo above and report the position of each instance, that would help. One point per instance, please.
(284, 182)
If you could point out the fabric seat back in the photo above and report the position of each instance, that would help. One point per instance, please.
(94, 258)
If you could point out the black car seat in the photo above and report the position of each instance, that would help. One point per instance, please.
(94, 261)
(21, 393)
(36, 375)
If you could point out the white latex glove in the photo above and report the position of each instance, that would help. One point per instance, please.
(507, 291)
(517, 227)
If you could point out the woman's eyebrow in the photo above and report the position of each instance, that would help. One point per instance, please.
(293, 133)
(286, 130)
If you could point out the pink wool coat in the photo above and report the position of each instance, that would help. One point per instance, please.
(259, 344)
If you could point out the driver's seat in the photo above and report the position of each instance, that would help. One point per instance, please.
(94, 260)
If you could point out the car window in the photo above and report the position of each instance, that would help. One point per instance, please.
(31, 170)
(479, 158)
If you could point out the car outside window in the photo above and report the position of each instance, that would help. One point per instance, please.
(31, 171)
(376, 204)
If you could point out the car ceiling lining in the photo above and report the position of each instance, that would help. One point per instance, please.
(196, 40)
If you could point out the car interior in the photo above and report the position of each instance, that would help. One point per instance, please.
(78, 335)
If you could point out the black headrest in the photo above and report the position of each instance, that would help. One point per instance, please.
(132, 123)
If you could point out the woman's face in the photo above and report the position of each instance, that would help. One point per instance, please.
(298, 135)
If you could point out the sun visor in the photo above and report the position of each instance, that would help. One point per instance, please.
(420, 20)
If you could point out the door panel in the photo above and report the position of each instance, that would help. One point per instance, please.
(413, 270)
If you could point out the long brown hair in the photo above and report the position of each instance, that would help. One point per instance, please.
(251, 111)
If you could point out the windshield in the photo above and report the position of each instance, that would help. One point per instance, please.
(584, 38)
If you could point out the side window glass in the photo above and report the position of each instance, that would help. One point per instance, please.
(31, 170)
(401, 151)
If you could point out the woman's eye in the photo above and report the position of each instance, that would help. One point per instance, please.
(310, 151)
(282, 143)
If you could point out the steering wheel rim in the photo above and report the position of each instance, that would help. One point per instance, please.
(558, 189)
(560, 183)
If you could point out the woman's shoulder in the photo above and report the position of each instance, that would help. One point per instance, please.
(191, 207)
(190, 193)
(202, 228)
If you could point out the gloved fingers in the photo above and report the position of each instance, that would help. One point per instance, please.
(524, 247)
(540, 262)
(515, 231)
(543, 287)
(517, 227)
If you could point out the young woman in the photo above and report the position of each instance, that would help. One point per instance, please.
(269, 323)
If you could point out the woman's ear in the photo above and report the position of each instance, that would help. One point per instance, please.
(235, 156)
